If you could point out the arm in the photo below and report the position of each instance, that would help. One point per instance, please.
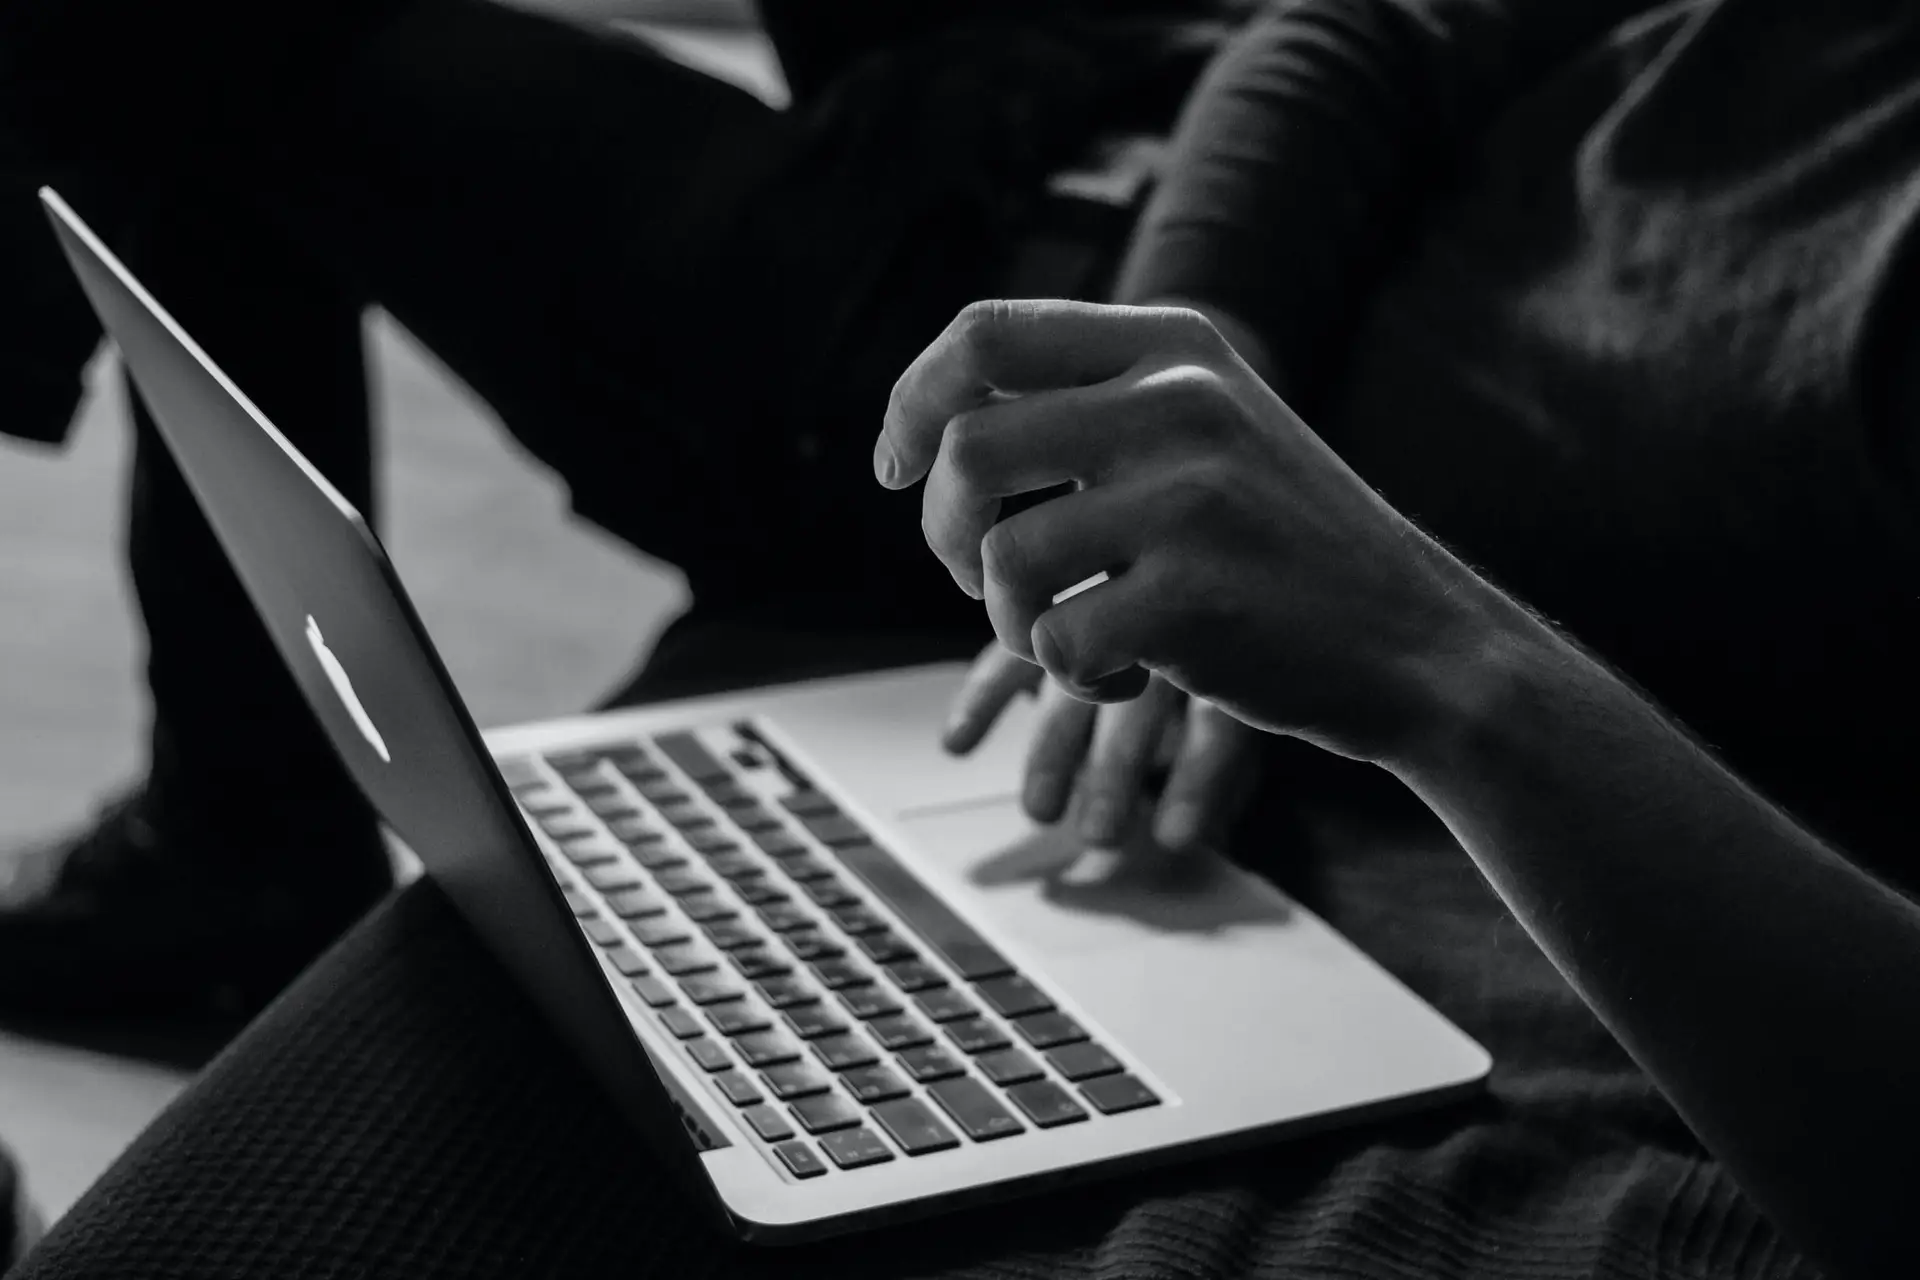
(1770, 987)
(1313, 139)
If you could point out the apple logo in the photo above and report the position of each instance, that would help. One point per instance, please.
(344, 688)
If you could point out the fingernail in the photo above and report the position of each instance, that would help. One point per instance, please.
(885, 465)
(1097, 821)
(1042, 797)
(1179, 825)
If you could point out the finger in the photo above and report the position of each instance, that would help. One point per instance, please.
(1037, 441)
(1208, 779)
(1124, 736)
(1053, 758)
(1099, 644)
(1032, 345)
(995, 679)
(1032, 560)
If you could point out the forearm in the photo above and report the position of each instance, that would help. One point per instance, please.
(1309, 148)
(1768, 986)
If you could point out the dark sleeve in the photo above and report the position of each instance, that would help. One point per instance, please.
(1315, 135)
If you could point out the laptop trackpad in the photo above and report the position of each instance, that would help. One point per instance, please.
(1043, 889)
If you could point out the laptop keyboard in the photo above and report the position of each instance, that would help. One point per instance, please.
(848, 1014)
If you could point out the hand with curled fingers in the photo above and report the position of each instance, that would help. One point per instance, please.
(1245, 565)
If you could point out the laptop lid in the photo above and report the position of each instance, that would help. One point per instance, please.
(337, 613)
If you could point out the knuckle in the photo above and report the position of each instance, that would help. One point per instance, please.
(968, 447)
(1195, 331)
(1003, 554)
(981, 325)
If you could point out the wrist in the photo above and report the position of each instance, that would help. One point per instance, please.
(1474, 685)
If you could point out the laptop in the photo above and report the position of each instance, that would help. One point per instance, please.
(835, 973)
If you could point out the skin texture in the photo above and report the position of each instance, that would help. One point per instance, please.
(1769, 986)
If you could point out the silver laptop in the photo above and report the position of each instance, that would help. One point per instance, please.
(834, 971)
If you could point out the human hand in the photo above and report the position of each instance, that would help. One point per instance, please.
(1098, 761)
(1245, 563)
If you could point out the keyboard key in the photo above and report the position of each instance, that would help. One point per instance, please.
(927, 916)
(769, 1123)
(808, 804)
(755, 963)
(626, 756)
(975, 1035)
(855, 1148)
(712, 840)
(680, 881)
(633, 904)
(766, 1048)
(814, 945)
(1083, 1061)
(834, 829)
(844, 1052)
(710, 1054)
(581, 905)
(869, 1001)
(734, 865)
(586, 851)
(899, 1031)
(702, 907)
(980, 1115)
(752, 817)
(785, 917)
(827, 891)
(759, 892)
(944, 1004)
(857, 918)
(1045, 1030)
(567, 826)
(875, 1084)
(738, 1017)
(1046, 1103)
(1008, 1067)
(805, 867)
(825, 1112)
(785, 992)
(711, 988)
(662, 791)
(594, 786)
(658, 856)
(728, 794)
(885, 948)
(915, 975)
(731, 935)
(791, 1080)
(1013, 996)
(912, 1124)
(628, 961)
(656, 993)
(835, 974)
(800, 1160)
(612, 877)
(639, 772)
(604, 932)
(778, 843)
(681, 1023)
(660, 932)
(611, 804)
(1114, 1094)
(739, 1090)
(693, 758)
(930, 1062)
(687, 817)
(633, 829)
(685, 958)
(811, 1020)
